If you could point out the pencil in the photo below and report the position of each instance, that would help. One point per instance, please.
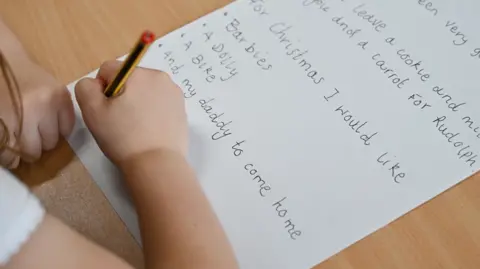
(129, 64)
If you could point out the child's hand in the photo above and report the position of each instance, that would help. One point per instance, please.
(47, 113)
(148, 116)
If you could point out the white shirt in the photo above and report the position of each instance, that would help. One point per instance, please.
(20, 214)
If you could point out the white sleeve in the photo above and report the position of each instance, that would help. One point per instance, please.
(20, 214)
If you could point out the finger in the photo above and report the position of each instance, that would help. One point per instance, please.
(49, 132)
(108, 71)
(66, 115)
(14, 163)
(7, 143)
(9, 159)
(31, 142)
(89, 93)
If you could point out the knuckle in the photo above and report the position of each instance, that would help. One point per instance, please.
(81, 85)
(41, 97)
(160, 76)
(59, 94)
(107, 64)
(178, 90)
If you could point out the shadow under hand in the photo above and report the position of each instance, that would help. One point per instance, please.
(48, 167)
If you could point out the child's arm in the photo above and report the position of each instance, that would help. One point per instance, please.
(179, 228)
(144, 132)
(47, 107)
(31, 239)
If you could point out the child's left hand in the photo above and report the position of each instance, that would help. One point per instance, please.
(47, 113)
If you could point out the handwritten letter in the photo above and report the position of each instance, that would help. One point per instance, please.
(316, 122)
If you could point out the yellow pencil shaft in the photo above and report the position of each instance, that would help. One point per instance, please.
(116, 85)
(126, 76)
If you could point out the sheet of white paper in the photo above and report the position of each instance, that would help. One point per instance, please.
(314, 123)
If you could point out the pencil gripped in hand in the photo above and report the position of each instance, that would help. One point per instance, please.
(129, 64)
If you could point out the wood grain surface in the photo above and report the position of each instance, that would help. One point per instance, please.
(71, 37)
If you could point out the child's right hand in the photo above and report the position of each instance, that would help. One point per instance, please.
(148, 116)
(144, 132)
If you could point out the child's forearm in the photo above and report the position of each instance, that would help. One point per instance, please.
(66, 249)
(31, 239)
(179, 228)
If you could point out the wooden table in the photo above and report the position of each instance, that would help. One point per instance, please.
(71, 38)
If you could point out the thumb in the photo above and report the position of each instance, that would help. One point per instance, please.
(89, 93)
